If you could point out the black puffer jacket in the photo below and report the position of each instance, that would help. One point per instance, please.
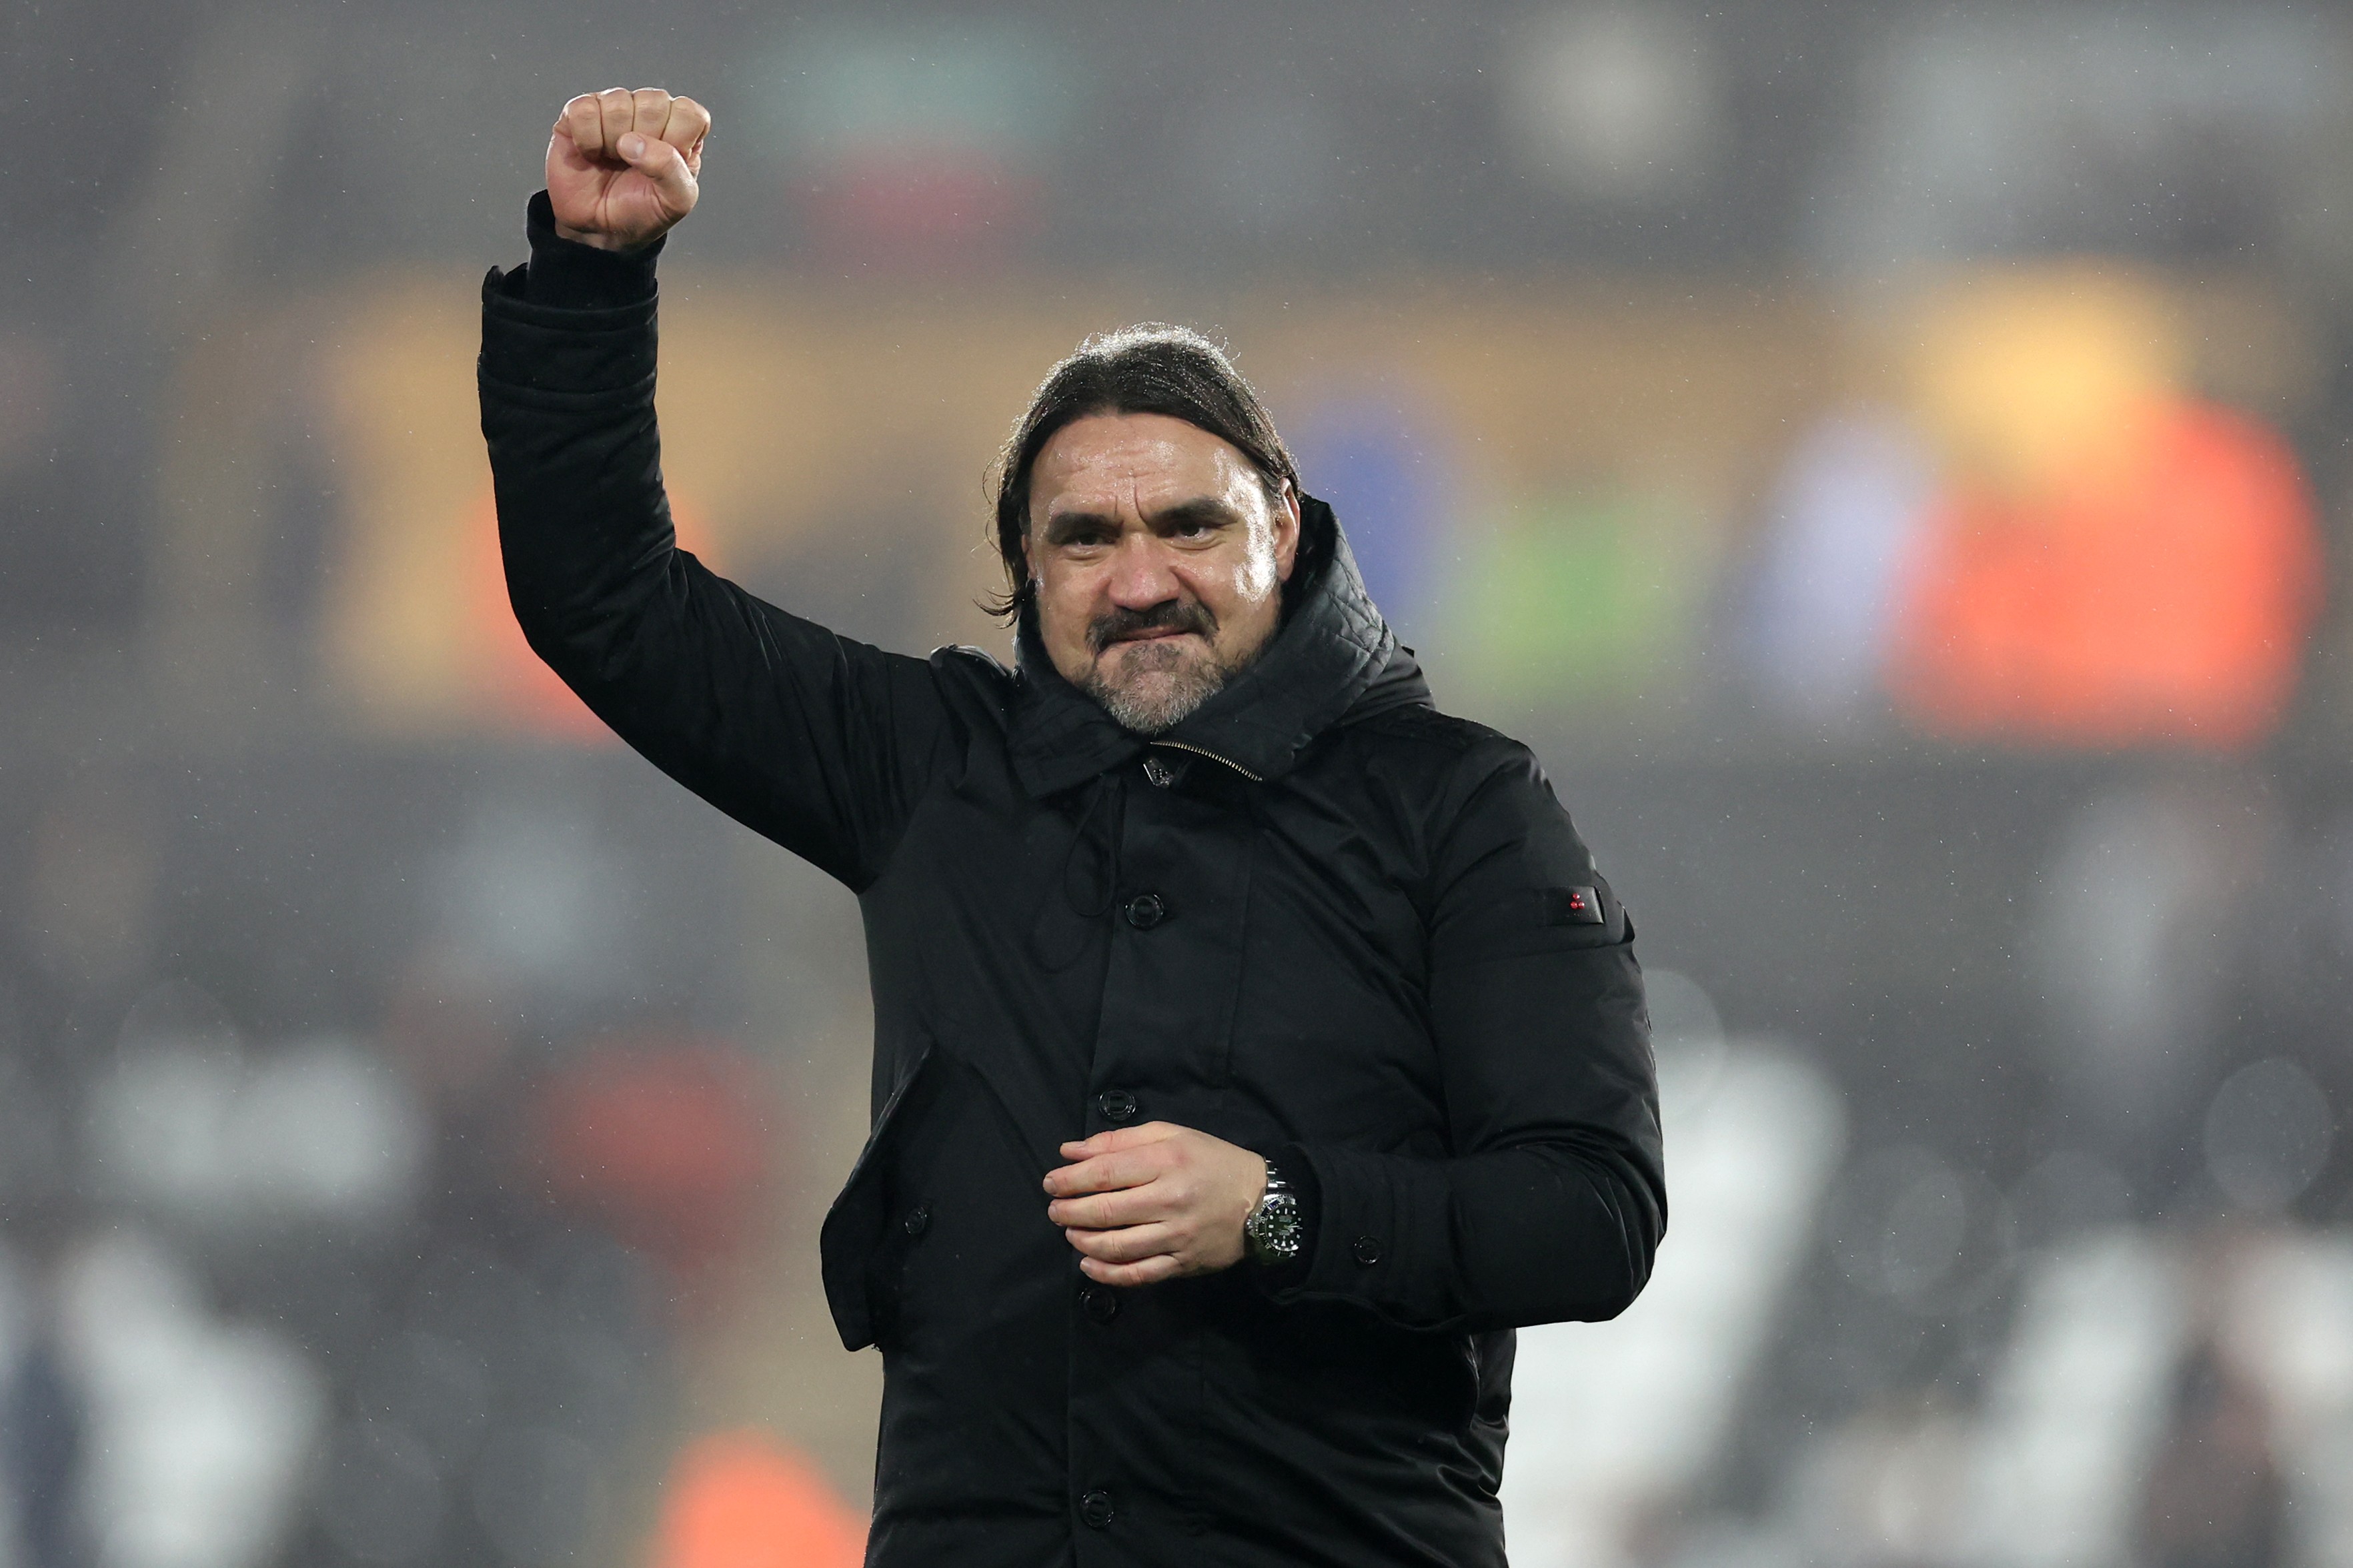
(1350, 933)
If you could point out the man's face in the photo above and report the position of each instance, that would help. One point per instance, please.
(1159, 561)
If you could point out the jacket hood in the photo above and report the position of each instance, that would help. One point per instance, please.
(1332, 657)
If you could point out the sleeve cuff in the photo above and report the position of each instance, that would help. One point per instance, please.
(566, 275)
(1380, 1236)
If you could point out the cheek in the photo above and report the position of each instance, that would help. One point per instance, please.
(1254, 577)
(1242, 594)
(1258, 578)
(1066, 604)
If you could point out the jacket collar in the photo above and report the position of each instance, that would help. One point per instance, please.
(1333, 653)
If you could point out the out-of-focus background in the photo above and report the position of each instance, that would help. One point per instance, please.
(1888, 459)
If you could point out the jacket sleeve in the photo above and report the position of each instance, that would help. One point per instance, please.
(818, 741)
(1553, 1198)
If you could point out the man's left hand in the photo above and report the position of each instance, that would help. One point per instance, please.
(1151, 1203)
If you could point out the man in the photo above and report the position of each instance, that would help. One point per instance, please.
(1255, 1047)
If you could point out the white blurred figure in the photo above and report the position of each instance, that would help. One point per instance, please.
(2289, 1317)
(1612, 1421)
(319, 1133)
(2150, 1401)
(199, 1429)
(1883, 1487)
(2074, 1412)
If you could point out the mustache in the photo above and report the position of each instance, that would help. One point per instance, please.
(1168, 616)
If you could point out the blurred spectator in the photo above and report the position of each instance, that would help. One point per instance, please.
(1609, 1421)
(199, 1430)
(316, 1133)
(449, 1027)
(2294, 991)
(2214, 1497)
(2279, 1303)
(504, 1352)
(44, 1429)
(2133, 942)
(2072, 1413)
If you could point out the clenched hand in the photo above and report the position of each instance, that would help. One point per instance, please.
(623, 166)
(1150, 1203)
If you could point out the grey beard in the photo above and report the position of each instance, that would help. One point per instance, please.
(1170, 703)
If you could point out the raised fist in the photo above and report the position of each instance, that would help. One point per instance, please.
(622, 165)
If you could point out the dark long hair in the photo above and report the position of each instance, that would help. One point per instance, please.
(1148, 368)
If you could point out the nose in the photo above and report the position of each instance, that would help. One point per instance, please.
(1140, 575)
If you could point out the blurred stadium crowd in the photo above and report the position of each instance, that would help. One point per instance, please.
(1888, 459)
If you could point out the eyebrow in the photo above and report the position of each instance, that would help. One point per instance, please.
(1206, 510)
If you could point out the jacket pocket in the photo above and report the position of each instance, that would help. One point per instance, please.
(857, 1223)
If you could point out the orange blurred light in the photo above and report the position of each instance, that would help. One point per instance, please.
(742, 1499)
(511, 683)
(668, 1144)
(2169, 603)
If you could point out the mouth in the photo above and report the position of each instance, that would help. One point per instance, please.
(1163, 622)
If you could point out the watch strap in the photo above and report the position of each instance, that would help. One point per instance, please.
(1275, 1231)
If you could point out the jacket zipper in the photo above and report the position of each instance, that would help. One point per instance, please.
(1197, 751)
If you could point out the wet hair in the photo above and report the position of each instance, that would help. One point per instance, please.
(1148, 368)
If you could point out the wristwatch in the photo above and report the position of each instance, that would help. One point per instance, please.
(1272, 1230)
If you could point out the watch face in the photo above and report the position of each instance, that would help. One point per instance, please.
(1272, 1230)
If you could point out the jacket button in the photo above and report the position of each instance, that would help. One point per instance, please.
(1096, 1509)
(1116, 1105)
(1367, 1250)
(918, 1221)
(1146, 910)
(1099, 1303)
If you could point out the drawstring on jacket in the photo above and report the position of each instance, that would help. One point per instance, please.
(1063, 925)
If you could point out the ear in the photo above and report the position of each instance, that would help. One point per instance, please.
(1286, 534)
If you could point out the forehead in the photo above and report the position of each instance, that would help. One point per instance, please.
(1104, 461)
